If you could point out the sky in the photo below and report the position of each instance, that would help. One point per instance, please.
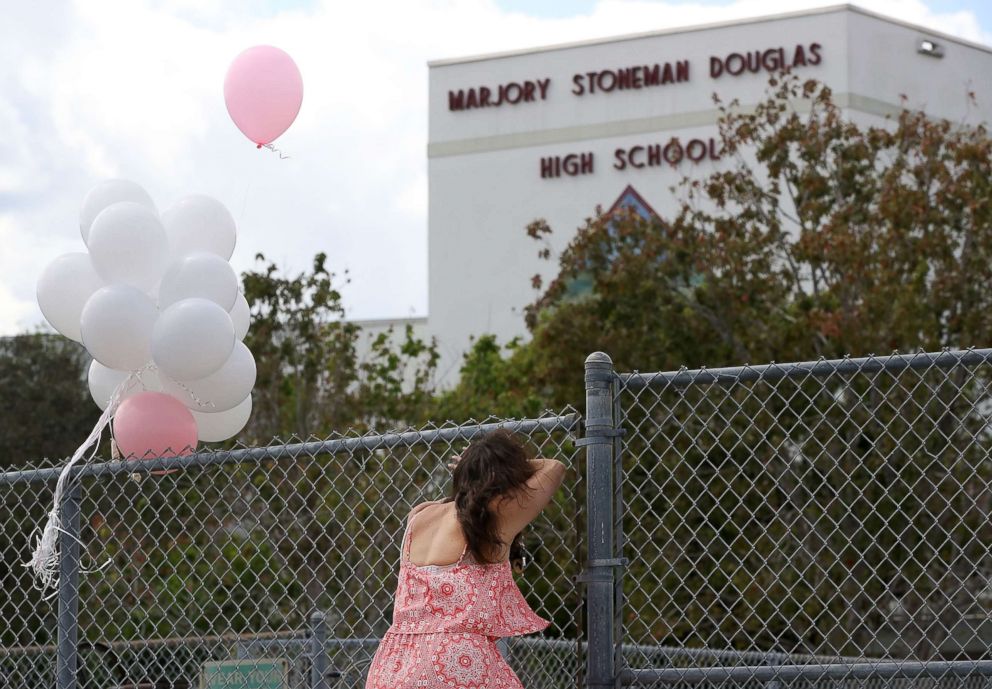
(95, 89)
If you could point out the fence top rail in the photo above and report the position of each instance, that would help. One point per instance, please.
(254, 455)
(823, 367)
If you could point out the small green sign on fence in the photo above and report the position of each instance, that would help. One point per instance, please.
(257, 673)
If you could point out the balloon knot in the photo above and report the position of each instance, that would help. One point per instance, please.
(258, 146)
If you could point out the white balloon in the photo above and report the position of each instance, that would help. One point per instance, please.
(106, 194)
(200, 223)
(104, 381)
(219, 391)
(241, 315)
(116, 326)
(128, 244)
(63, 289)
(192, 339)
(212, 428)
(202, 275)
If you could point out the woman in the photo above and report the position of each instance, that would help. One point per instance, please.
(456, 595)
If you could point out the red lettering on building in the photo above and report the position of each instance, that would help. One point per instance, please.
(695, 150)
(636, 77)
(652, 75)
(511, 93)
(571, 165)
(670, 153)
(630, 78)
(768, 60)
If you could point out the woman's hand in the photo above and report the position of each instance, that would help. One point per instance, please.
(453, 462)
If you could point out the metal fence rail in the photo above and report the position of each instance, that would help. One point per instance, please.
(828, 519)
(226, 556)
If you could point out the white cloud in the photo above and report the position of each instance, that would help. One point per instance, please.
(13, 310)
(133, 88)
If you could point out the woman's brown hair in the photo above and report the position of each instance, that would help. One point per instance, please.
(492, 468)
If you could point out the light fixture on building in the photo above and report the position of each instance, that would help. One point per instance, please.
(929, 47)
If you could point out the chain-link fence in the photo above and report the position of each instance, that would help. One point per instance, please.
(811, 524)
(258, 567)
(821, 523)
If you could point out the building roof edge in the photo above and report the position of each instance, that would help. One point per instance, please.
(826, 9)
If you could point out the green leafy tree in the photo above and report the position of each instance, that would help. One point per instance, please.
(396, 379)
(45, 405)
(304, 352)
(199, 551)
(45, 413)
(494, 381)
(196, 550)
(816, 236)
(311, 377)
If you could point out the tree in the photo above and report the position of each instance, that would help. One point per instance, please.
(819, 238)
(304, 351)
(45, 413)
(45, 405)
(311, 379)
(494, 381)
(276, 539)
(816, 237)
(396, 381)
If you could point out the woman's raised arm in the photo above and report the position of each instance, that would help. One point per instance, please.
(517, 511)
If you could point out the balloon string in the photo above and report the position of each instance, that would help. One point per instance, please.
(272, 148)
(45, 560)
(192, 395)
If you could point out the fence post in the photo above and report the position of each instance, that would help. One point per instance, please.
(67, 655)
(318, 650)
(600, 433)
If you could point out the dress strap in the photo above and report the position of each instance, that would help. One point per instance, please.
(462, 556)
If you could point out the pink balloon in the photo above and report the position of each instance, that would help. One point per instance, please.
(153, 424)
(263, 91)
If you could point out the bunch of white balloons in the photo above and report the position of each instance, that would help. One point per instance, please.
(156, 296)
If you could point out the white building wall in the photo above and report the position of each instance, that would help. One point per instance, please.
(884, 65)
(485, 182)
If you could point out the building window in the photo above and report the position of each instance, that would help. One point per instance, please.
(581, 285)
(629, 198)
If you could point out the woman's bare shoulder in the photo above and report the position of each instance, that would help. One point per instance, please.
(421, 506)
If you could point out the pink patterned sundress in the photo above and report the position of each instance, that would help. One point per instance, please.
(446, 620)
